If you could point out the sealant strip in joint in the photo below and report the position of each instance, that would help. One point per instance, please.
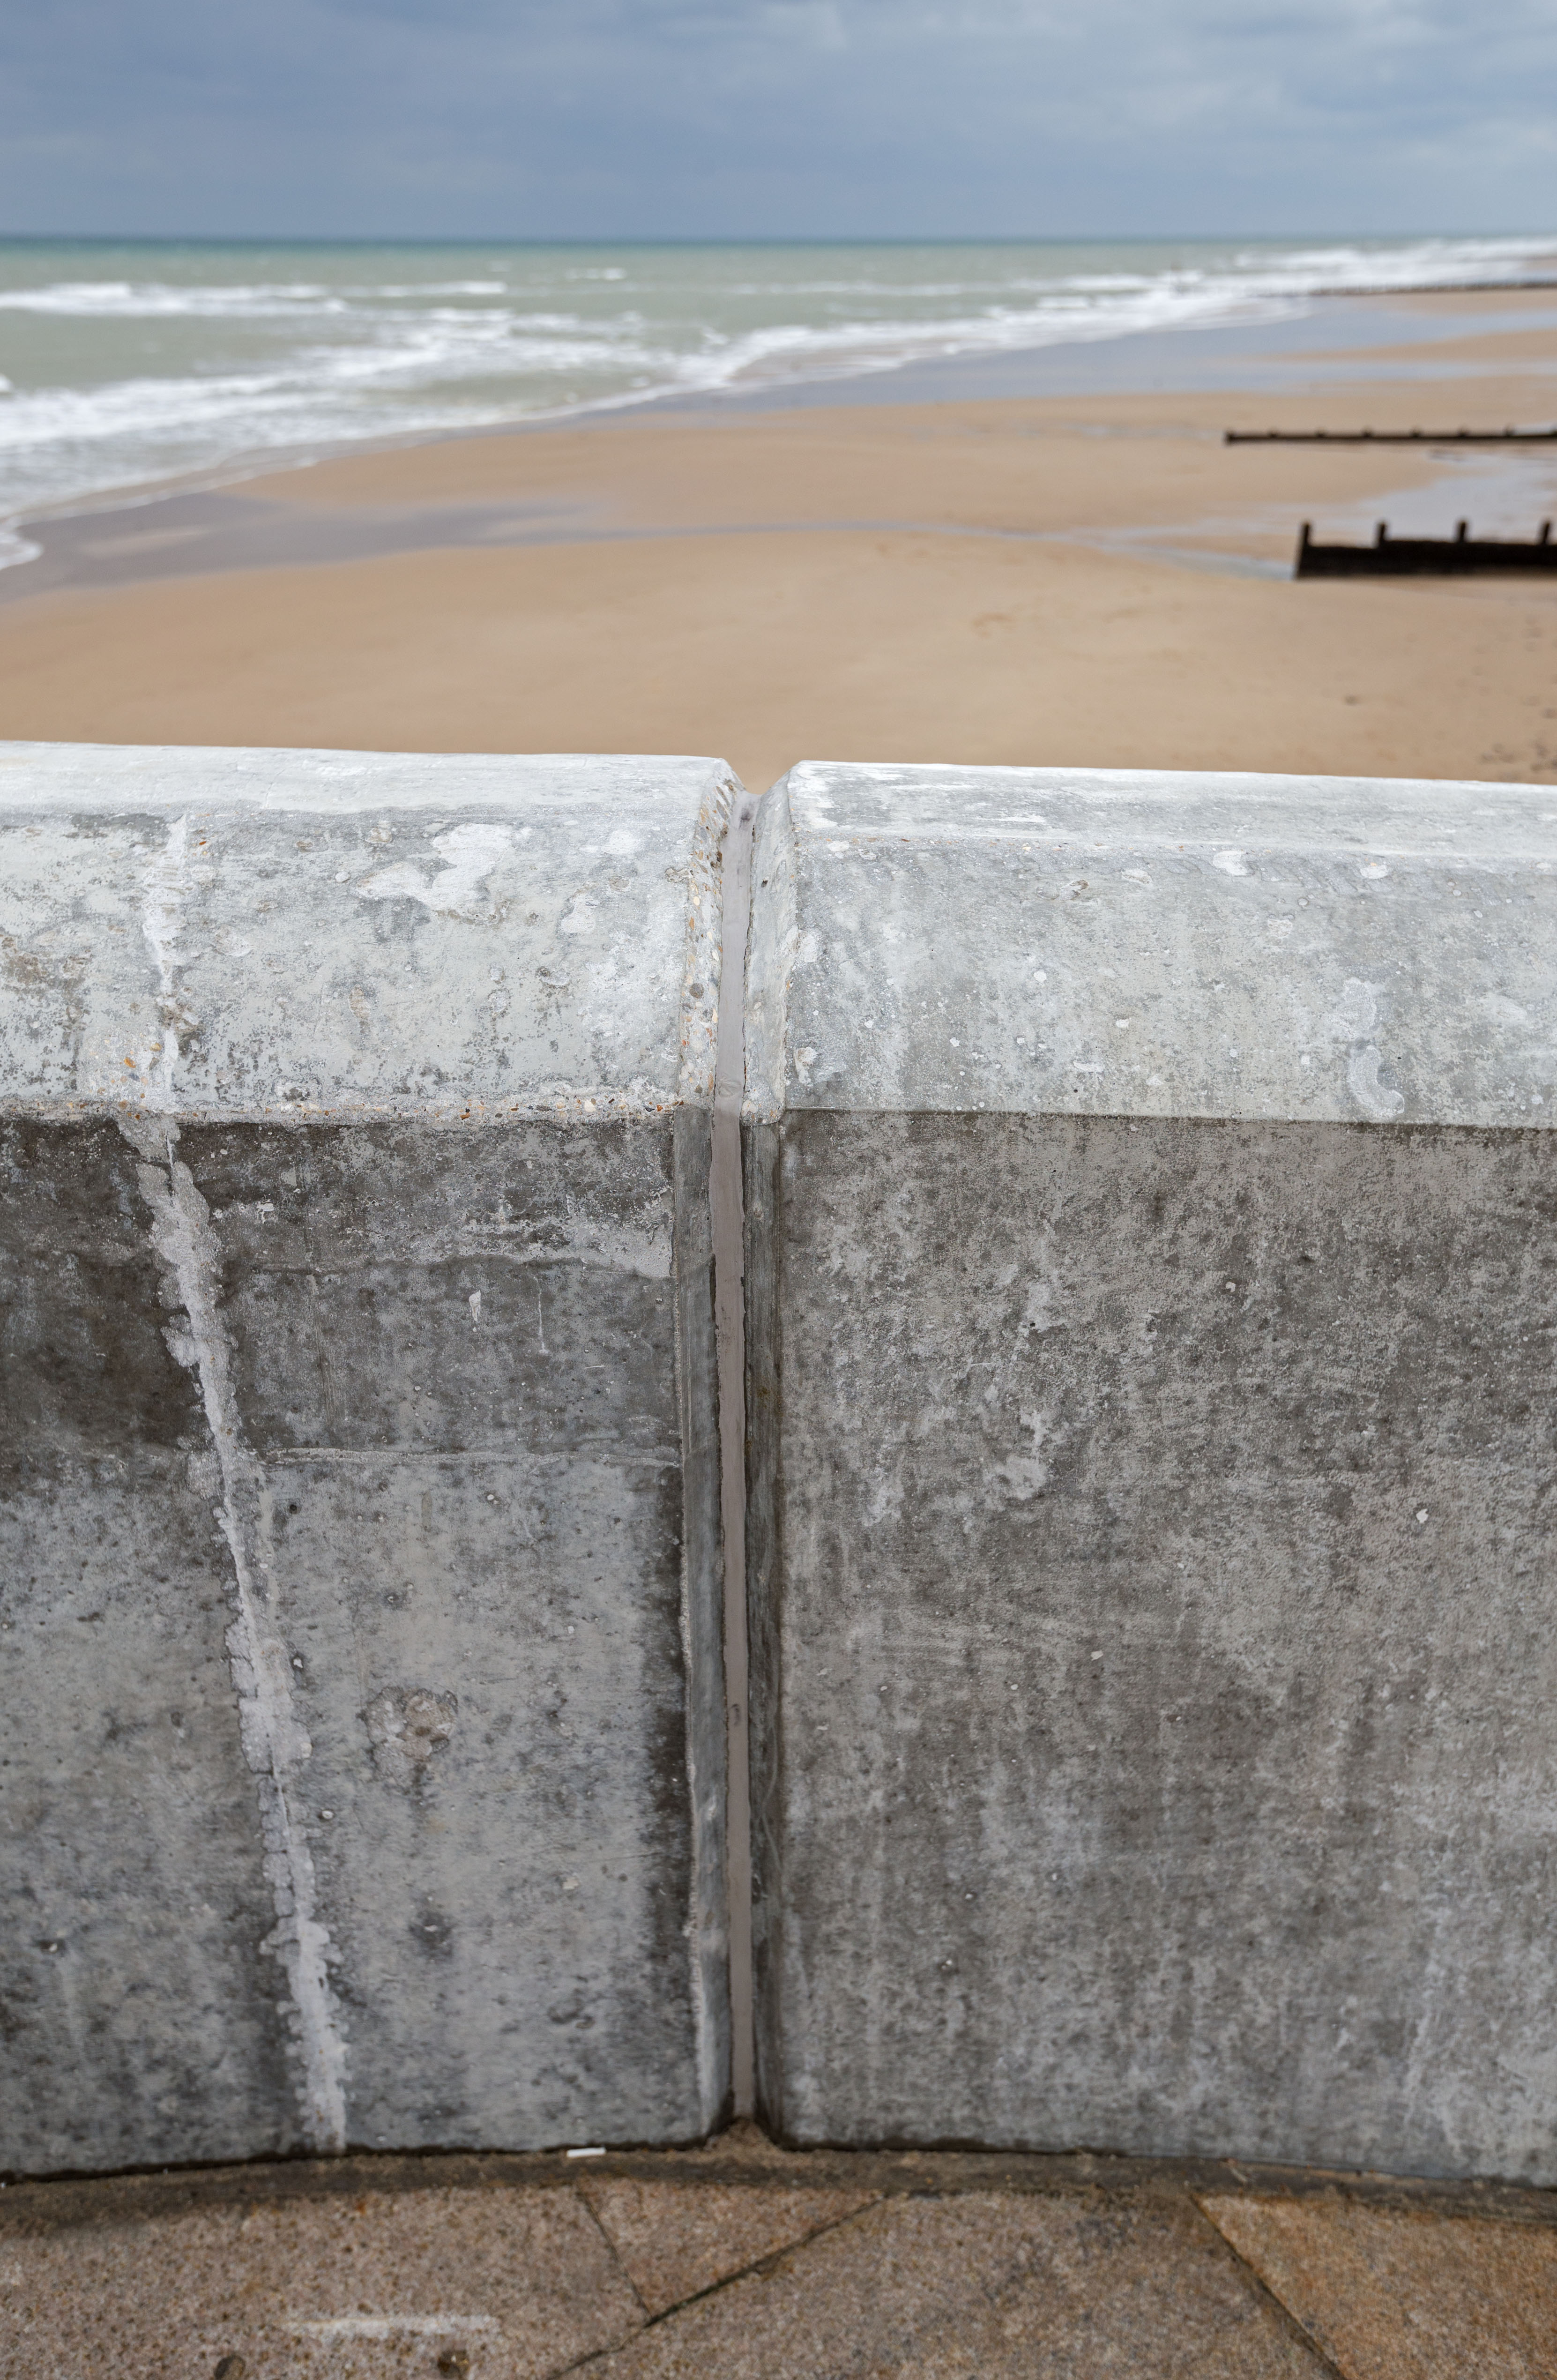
(727, 1201)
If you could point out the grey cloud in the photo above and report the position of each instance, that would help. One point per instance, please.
(753, 116)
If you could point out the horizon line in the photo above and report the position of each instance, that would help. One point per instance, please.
(726, 240)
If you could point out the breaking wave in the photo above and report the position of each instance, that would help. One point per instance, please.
(130, 365)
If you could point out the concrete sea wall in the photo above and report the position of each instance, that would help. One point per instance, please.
(364, 1759)
(1150, 1310)
(1152, 1282)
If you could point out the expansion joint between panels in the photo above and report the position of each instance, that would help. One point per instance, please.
(727, 1203)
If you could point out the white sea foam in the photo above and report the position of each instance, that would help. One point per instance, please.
(130, 364)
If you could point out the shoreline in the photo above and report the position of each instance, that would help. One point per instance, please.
(1174, 360)
(1088, 578)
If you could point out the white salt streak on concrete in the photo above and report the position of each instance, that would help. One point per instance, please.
(275, 1743)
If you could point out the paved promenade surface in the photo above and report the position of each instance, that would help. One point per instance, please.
(740, 2260)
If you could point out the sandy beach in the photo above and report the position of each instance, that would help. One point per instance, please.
(1073, 579)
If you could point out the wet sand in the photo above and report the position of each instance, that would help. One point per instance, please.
(1088, 578)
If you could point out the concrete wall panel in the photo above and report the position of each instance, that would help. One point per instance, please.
(363, 1389)
(1151, 1538)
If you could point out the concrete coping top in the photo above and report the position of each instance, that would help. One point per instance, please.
(1131, 943)
(461, 936)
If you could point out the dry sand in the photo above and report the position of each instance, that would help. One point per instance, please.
(1047, 581)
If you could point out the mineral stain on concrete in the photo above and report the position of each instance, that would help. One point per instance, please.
(275, 1744)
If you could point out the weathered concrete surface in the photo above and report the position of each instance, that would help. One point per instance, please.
(1078, 942)
(1151, 1519)
(361, 1498)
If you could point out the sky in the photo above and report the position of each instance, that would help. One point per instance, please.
(777, 118)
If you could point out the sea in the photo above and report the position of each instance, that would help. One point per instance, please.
(133, 363)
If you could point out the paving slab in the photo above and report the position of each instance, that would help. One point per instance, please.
(520, 2282)
(1394, 2294)
(675, 2239)
(978, 2288)
(522, 2268)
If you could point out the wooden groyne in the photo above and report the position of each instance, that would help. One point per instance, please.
(1389, 437)
(1419, 557)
